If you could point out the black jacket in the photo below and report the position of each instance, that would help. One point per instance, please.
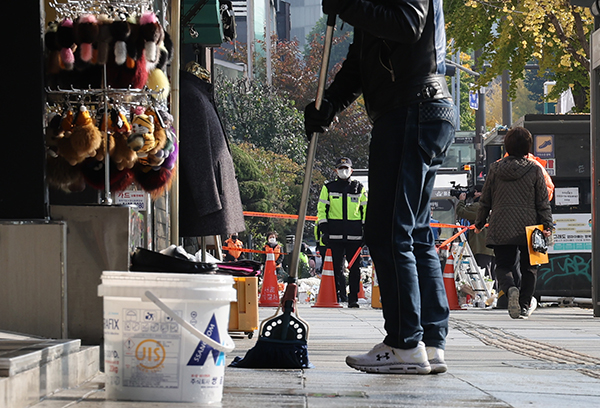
(514, 196)
(397, 57)
(209, 197)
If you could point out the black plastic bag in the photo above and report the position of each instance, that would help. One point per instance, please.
(144, 260)
(538, 241)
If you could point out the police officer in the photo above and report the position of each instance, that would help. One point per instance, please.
(340, 217)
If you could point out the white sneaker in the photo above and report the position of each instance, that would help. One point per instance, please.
(436, 360)
(525, 313)
(389, 360)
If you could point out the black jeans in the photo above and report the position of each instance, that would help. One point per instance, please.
(338, 251)
(506, 260)
(408, 145)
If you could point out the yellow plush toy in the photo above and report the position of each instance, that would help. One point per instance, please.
(142, 138)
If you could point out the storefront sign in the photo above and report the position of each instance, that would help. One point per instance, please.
(131, 197)
(573, 233)
(544, 146)
(566, 196)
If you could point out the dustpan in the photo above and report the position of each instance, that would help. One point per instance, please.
(282, 341)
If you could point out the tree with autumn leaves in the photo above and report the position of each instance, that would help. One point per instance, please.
(266, 121)
(513, 33)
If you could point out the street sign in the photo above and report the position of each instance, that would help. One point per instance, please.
(474, 100)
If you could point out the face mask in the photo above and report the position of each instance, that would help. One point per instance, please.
(272, 241)
(234, 237)
(344, 173)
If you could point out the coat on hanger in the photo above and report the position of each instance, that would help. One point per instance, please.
(209, 196)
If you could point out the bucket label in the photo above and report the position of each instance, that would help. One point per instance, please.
(203, 350)
(151, 344)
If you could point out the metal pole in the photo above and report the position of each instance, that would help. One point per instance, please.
(506, 103)
(107, 197)
(312, 149)
(250, 37)
(175, 63)
(595, 166)
(268, 34)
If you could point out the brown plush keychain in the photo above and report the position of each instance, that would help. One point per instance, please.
(82, 141)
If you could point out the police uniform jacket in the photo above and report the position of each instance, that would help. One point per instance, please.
(341, 210)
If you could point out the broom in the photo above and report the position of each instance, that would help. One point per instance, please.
(282, 341)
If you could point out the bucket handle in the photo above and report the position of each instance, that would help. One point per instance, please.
(226, 348)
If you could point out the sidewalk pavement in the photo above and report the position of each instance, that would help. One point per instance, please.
(550, 360)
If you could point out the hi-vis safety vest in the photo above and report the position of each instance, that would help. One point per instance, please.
(232, 247)
(343, 207)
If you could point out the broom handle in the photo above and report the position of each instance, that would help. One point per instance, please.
(354, 257)
(312, 149)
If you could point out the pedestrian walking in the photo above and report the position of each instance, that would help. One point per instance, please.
(514, 196)
(397, 63)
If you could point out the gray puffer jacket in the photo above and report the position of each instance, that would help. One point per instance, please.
(515, 193)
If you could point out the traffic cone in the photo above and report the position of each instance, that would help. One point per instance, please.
(361, 291)
(449, 283)
(327, 296)
(375, 294)
(269, 295)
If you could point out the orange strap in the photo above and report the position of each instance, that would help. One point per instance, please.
(272, 215)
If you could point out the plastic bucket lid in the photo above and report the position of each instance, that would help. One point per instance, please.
(168, 286)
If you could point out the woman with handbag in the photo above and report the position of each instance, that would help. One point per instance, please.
(514, 196)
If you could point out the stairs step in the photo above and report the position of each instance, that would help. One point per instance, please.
(33, 368)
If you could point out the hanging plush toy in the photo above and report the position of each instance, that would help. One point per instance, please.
(160, 136)
(152, 34)
(121, 154)
(104, 38)
(66, 38)
(157, 79)
(62, 176)
(82, 141)
(135, 44)
(94, 175)
(86, 33)
(53, 48)
(85, 136)
(120, 31)
(142, 139)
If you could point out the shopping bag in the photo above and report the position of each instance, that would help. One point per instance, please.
(535, 257)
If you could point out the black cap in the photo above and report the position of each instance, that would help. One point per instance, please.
(343, 162)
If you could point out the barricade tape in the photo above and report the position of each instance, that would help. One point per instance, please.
(272, 215)
(314, 218)
(254, 251)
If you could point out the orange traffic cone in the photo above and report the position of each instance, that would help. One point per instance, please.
(327, 296)
(375, 294)
(449, 283)
(269, 295)
(361, 291)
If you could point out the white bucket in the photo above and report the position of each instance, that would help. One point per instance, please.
(165, 335)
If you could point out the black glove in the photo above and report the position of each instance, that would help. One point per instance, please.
(318, 120)
(324, 230)
(334, 6)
